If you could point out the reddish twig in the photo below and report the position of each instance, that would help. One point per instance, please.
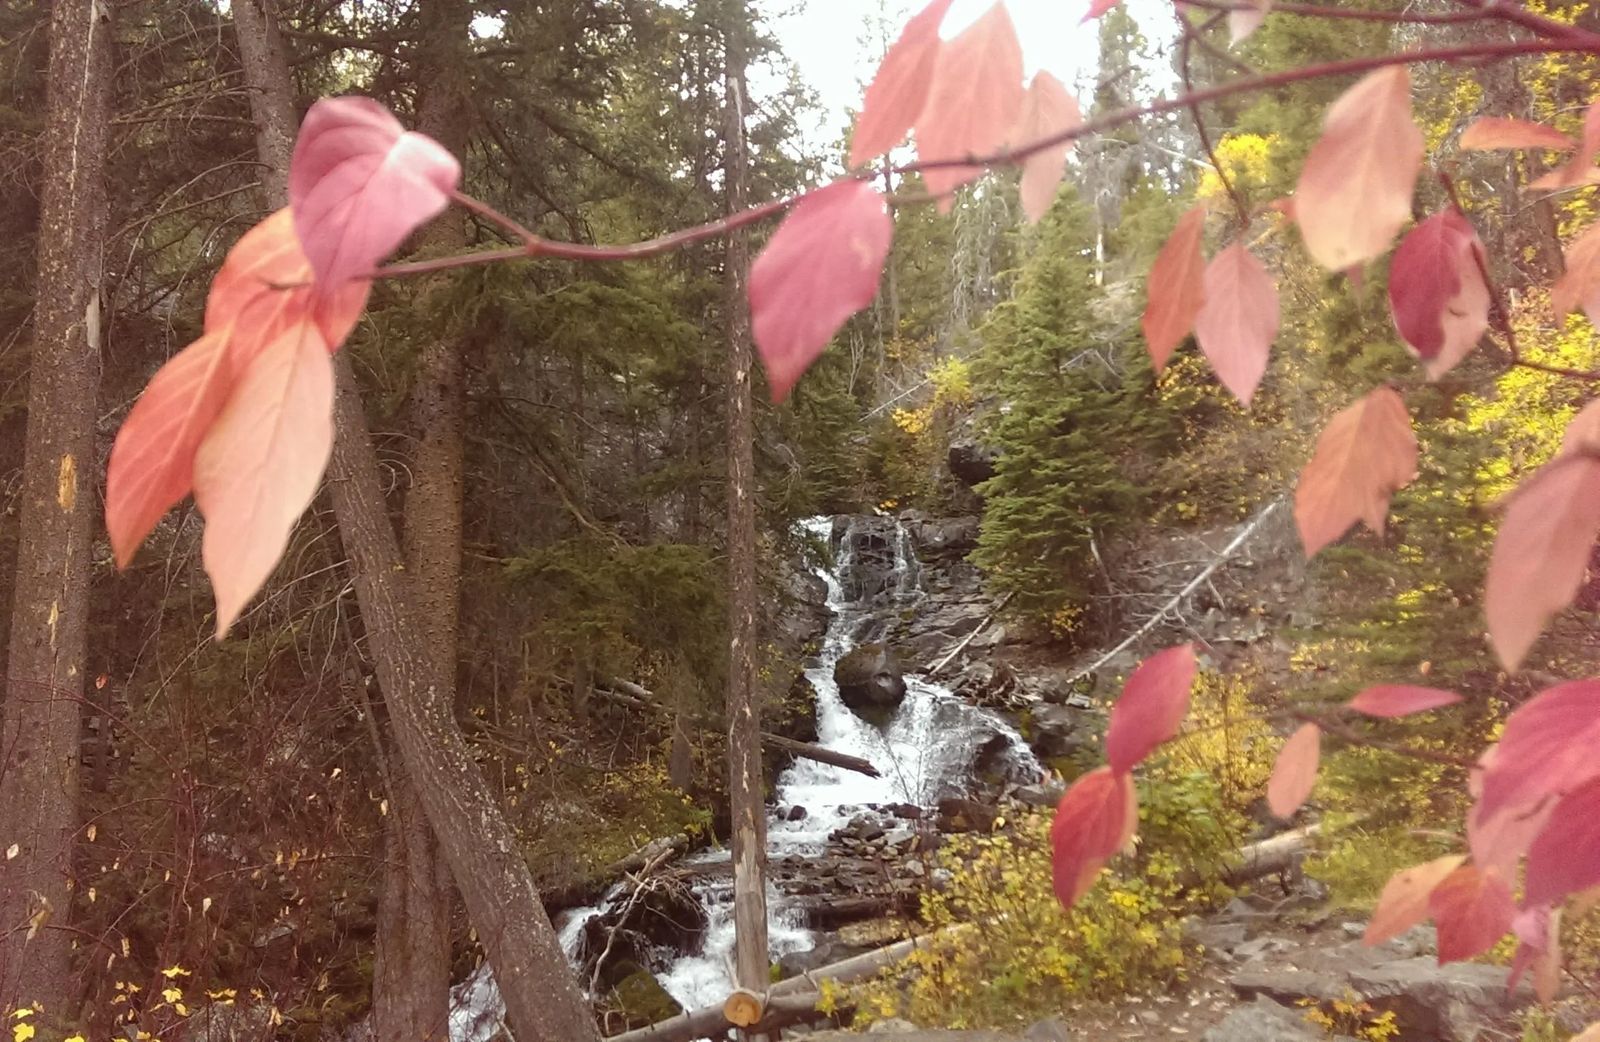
(1189, 34)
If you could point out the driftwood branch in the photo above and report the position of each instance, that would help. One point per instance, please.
(959, 648)
(1202, 577)
(625, 692)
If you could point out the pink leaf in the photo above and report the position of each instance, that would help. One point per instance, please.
(1367, 452)
(1047, 109)
(1582, 436)
(900, 89)
(1538, 933)
(152, 462)
(1389, 702)
(1175, 288)
(1473, 909)
(974, 101)
(1355, 188)
(1095, 819)
(1546, 749)
(1294, 774)
(1404, 901)
(1238, 321)
(1565, 857)
(359, 183)
(1492, 132)
(1498, 841)
(820, 267)
(260, 465)
(1579, 284)
(1541, 553)
(1152, 707)
(1580, 169)
(1437, 294)
(1244, 21)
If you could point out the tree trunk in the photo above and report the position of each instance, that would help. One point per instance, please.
(744, 723)
(41, 716)
(542, 999)
(411, 965)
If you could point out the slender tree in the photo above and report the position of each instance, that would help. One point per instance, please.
(41, 717)
(543, 1001)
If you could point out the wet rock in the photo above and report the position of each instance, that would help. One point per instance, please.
(962, 815)
(641, 999)
(871, 682)
(906, 811)
(1057, 731)
(795, 813)
(1265, 1021)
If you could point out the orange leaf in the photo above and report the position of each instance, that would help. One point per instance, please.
(1046, 109)
(1367, 452)
(1355, 189)
(1541, 553)
(974, 101)
(1294, 774)
(1175, 288)
(900, 89)
(152, 462)
(1238, 320)
(1404, 901)
(1095, 819)
(259, 467)
(1580, 169)
(1579, 284)
(1492, 132)
(1473, 909)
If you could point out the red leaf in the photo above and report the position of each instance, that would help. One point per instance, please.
(152, 462)
(1047, 109)
(1565, 857)
(1580, 169)
(1541, 553)
(1492, 132)
(251, 293)
(1094, 820)
(820, 267)
(1389, 702)
(1294, 774)
(1500, 840)
(1437, 294)
(1404, 901)
(1175, 288)
(1473, 910)
(1538, 933)
(1152, 707)
(1547, 748)
(1583, 433)
(1367, 452)
(974, 101)
(900, 89)
(359, 183)
(1238, 320)
(1579, 284)
(1355, 188)
(260, 465)
(1244, 21)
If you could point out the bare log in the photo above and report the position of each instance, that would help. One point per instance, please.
(654, 854)
(1280, 853)
(627, 693)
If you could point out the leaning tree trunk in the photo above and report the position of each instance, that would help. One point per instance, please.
(744, 722)
(40, 718)
(543, 1002)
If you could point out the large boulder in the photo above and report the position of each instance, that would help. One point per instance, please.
(1265, 1021)
(1459, 1002)
(871, 682)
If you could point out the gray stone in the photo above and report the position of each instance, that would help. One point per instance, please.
(961, 815)
(1044, 794)
(971, 463)
(1260, 946)
(1285, 985)
(1221, 937)
(1454, 1003)
(1058, 731)
(1264, 1021)
(893, 1025)
(871, 682)
(1053, 1030)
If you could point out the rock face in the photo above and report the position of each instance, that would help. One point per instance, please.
(971, 463)
(870, 682)
(1454, 1003)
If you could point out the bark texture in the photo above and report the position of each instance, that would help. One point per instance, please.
(40, 719)
(543, 1002)
(744, 717)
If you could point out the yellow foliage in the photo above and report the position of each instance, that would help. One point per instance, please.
(1249, 160)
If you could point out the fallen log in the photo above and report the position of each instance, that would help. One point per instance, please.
(1280, 853)
(588, 889)
(625, 692)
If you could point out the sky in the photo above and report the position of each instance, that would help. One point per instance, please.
(824, 38)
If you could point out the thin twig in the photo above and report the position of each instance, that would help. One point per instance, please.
(1189, 34)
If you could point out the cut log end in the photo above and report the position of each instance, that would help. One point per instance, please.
(744, 1008)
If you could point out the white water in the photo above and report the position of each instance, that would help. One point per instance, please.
(925, 751)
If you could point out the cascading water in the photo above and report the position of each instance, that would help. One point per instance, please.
(925, 750)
